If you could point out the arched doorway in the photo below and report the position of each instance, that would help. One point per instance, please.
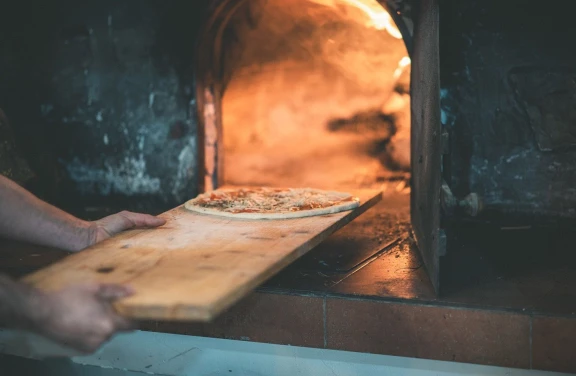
(306, 93)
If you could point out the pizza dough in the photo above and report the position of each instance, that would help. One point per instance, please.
(271, 203)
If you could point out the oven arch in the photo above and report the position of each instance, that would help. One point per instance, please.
(210, 83)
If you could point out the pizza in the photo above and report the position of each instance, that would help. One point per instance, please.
(271, 203)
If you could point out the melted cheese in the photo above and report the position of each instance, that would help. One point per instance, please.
(270, 200)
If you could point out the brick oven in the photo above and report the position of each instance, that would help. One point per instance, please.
(460, 111)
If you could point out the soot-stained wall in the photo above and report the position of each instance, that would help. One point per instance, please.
(508, 73)
(100, 95)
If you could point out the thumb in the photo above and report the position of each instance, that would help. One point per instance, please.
(113, 292)
(139, 220)
(125, 220)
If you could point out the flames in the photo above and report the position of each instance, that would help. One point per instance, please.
(305, 105)
(377, 16)
(402, 64)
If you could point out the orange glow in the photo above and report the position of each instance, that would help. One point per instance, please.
(403, 63)
(318, 98)
(378, 18)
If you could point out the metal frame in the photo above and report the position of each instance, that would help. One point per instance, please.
(426, 139)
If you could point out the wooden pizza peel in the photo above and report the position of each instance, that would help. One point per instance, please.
(195, 266)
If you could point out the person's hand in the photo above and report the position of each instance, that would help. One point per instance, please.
(107, 227)
(81, 317)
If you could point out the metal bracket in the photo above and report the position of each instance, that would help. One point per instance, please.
(445, 142)
(471, 205)
(442, 243)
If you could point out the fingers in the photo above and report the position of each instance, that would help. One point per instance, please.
(125, 220)
(109, 226)
(123, 324)
(83, 316)
(110, 292)
(138, 220)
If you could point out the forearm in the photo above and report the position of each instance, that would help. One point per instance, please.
(18, 304)
(25, 217)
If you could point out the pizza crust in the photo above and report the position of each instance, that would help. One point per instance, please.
(353, 203)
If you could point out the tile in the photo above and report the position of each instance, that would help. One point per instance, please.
(261, 317)
(338, 256)
(148, 325)
(273, 318)
(440, 333)
(365, 236)
(297, 281)
(554, 344)
(183, 328)
(398, 273)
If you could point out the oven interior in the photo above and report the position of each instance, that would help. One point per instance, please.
(318, 95)
(312, 94)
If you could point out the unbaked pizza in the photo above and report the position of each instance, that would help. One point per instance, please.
(271, 203)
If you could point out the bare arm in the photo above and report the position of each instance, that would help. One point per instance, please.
(81, 316)
(17, 303)
(25, 217)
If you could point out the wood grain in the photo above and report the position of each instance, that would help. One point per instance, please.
(196, 265)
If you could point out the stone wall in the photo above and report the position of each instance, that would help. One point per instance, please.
(101, 98)
(507, 73)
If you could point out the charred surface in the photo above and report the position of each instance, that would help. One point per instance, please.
(507, 98)
(101, 97)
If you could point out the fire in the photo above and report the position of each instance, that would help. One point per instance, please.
(307, 108)
(403, 63)
(378, 17)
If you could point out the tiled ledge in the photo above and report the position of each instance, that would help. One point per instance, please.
(488, 337)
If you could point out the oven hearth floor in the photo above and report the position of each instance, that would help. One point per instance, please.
(510, 300)
(522, 269)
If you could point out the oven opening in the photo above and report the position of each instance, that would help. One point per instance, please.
(314, 93)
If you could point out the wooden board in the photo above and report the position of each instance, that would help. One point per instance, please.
(196, 265)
